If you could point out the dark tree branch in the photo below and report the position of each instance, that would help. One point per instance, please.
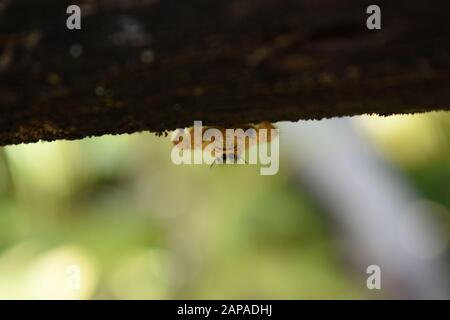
(161, 64)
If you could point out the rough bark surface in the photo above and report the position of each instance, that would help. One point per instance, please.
(161, 64)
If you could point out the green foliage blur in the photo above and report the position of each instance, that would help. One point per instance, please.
(139, 227)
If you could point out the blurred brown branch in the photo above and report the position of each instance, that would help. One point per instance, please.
(158, 65)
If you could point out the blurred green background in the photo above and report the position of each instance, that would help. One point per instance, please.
(139, 227)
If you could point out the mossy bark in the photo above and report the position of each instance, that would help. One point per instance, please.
(161, 64)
